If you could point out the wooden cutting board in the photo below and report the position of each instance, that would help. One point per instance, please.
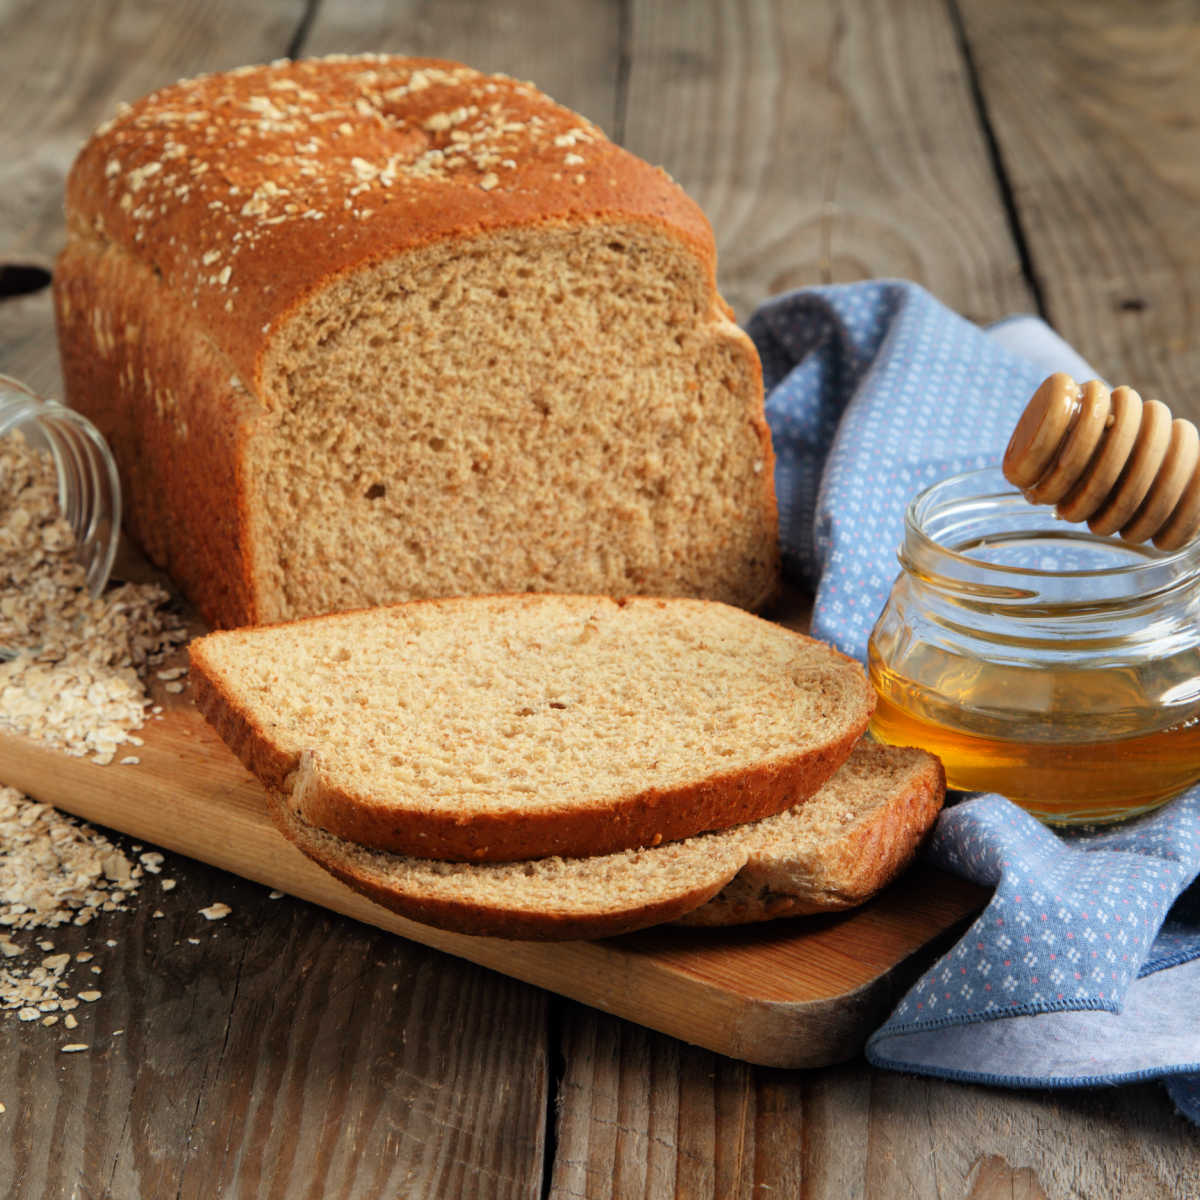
(795, 993)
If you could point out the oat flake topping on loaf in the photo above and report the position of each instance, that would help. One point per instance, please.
(373, 329)
(350, 152)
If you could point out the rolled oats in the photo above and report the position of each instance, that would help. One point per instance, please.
(74, 678)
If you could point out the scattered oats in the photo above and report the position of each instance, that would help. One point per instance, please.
(158, 912)
(224, 275)
(3, 1109)
(489, 181)
(211, 257)
(573, 160)
(152, 861)
(73, 678)
(194, 941)
(84, 956)
(45, 945)
(216, 911)
(74, 1047)
(52, 867)
(173, 688)
(28, 1014)
(51, 1019)
(96, 970)
(167, 885)
(90, 996)
(109, 942)
(171, 672)
(274, 895)
(117, 1032)
(130, 760)
(70, 1022)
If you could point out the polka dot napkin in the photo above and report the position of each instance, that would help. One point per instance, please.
(1085, 967)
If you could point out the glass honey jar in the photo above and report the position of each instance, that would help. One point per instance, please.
(1038, 660)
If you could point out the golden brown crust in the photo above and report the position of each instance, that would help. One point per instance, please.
(170, 406)
(213, 182)
(644, 819)
(870, 854)
(713, 880)
(647, 818)
(461, 915)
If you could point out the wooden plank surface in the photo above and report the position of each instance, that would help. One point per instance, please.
(832, 140)
(1100, 140)
(827, 141)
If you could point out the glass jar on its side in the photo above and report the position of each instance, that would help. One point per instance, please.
(1037, 660)
(89, 492)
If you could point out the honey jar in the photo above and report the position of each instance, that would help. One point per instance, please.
(1037, 659)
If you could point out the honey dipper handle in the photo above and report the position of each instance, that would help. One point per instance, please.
(1110, 459)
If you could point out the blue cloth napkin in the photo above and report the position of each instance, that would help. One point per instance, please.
(1084, 969)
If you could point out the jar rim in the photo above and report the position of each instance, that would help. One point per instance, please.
(986, 489)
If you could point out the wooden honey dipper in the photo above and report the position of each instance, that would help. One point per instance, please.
(1110, 459)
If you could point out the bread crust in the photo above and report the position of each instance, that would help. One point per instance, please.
(645, 818)
(464, 916)
(865, 858)
(172, 409)
(595, 897)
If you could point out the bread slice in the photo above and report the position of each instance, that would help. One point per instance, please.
(839, 847)
(831, 852)
(504, 728)
(370, 329)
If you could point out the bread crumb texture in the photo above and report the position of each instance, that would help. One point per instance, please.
(376, 329)
(495, 721)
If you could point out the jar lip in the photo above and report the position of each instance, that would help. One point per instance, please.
(973, 489)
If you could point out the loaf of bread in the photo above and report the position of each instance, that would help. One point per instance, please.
(371, 329)
(517, 727)
(835, 850)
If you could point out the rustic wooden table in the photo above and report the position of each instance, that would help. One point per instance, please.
(1024, 156)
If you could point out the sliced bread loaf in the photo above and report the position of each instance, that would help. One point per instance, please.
(371, 329)
(504, 728)
(835, 850)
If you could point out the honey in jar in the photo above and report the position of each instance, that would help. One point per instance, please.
(1039, 660)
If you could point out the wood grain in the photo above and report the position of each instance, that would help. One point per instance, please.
(281, 1052)
(64, 66)
(1096, 112)
(827, 142)
(790, 993)
(571, 51)
(644, 1117)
